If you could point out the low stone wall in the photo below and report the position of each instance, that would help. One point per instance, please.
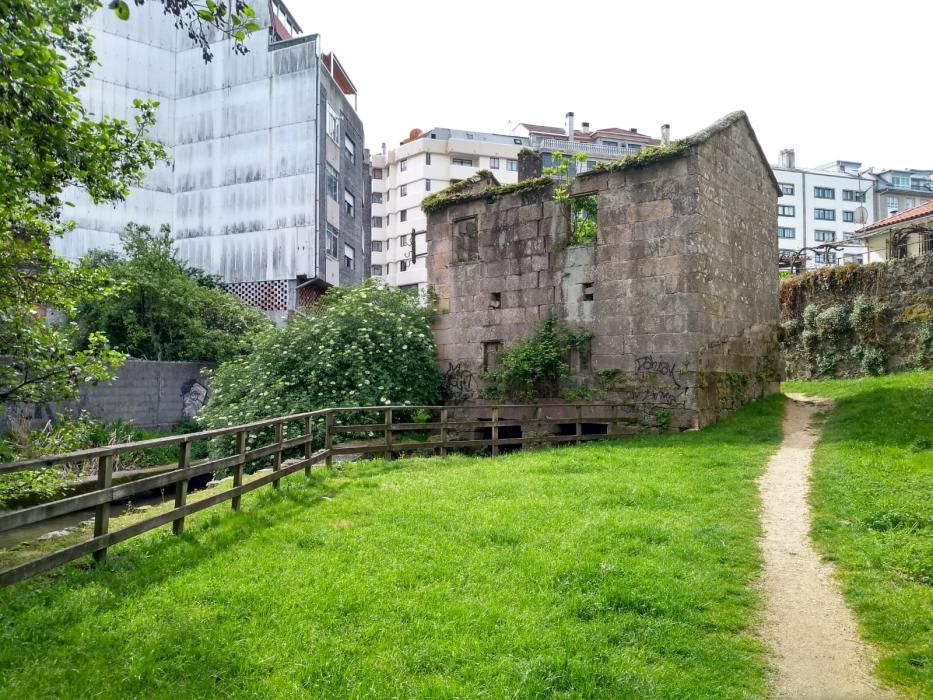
(152, 395)
(855, 320)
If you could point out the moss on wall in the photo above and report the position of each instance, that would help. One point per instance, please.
(855, 320)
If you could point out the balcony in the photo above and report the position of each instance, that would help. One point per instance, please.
(594, 149)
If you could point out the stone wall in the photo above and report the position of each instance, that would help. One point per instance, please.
(858, 319)
(679, 289)
(151, 395)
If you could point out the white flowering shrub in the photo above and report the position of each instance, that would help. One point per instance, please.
(364, 346)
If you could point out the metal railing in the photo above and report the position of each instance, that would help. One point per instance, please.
(594, 149)
(445, 428)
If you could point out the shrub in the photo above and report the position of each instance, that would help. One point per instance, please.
(832, 323)
(364, 346)
(867, 313)
(534, 366)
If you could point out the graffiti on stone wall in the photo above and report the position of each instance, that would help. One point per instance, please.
(671, 398)
(458, 384)
(647, 364)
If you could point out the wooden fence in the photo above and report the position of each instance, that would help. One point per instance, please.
(339, 432)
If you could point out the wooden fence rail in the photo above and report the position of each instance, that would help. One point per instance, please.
(456, 428)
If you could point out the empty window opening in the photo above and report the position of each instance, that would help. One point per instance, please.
(588, 293)
(583, 214)
(491, 350)
(495, 300)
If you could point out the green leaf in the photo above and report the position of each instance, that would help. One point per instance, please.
(122, 10)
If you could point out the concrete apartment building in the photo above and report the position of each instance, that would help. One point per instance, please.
(402, 177)
(899, 190)
(269, 184)
(823, 205)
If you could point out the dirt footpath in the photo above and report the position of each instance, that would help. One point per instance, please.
(816, 650)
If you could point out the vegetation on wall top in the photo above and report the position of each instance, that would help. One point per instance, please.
(460, 191)
(645, 157)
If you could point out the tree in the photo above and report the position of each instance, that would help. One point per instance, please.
(47, 143)
(364, 346)
(162, 309)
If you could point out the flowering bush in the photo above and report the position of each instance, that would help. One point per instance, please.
(365, 346)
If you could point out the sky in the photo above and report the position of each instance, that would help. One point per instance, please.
(833, 80)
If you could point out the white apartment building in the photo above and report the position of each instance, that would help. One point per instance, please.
(822, 205)
(402, 177)
(268, 187)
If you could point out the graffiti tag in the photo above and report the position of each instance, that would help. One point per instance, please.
(662, 368)
(458, 384)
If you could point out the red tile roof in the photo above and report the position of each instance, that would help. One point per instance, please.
(923, 210)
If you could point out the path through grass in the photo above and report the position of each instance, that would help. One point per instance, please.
(872, 497)
(609, 570)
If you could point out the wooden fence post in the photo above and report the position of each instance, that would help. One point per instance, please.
(579, 430)
(443, 432)
(328, 436)
(181, 488)
(495, 431)
(388, 434)
(277, 457)
(309, 424)
(238, 468)
(102, 512)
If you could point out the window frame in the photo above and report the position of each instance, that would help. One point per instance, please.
(331, 241)
(349, 203)
(784, 229)
(820, 214)
(332, 125)
(824, 192)
(786, 210)
(493, 163)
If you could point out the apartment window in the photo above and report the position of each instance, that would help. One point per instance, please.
(611, 144)
(826, 258)
(427, 159)
(427, 185)
(333, 125)
(330, 241)
(787, 188)
(909, 203)
(824, 214)
(349, 202)
(376, 222)
(349, 256)
(493, 163)
(892, 203)
(377, 198)
(402, 265)
(824, 192)
(853, 196)
(375, 270)
(824, 235)
(403, 241)
(902, 181)
(403, 164)
(331, 183)
(375, 246)
(350, 149)
(377, 173)
(785, 210)
(848, 216)
(470, 136)
(463, 161)
(403, 215)
(403, 190)
(786, 232)
(851, 259)
(511, 165)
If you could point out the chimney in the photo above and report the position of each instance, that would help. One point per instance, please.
(665, 134)
(633, 130)
(570, 127)
(786, 159)
(586, 127)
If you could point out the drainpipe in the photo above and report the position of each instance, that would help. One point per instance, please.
(570, 130)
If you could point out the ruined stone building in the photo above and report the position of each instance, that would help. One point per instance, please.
(269, 181)
(679, 288)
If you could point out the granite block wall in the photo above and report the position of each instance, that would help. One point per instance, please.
(679, 289)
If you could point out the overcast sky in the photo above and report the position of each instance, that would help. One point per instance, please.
(835, 80)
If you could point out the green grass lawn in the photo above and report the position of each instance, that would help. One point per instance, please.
(873, 506)
(619, 570)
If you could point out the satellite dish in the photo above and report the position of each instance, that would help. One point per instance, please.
(861, 215)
